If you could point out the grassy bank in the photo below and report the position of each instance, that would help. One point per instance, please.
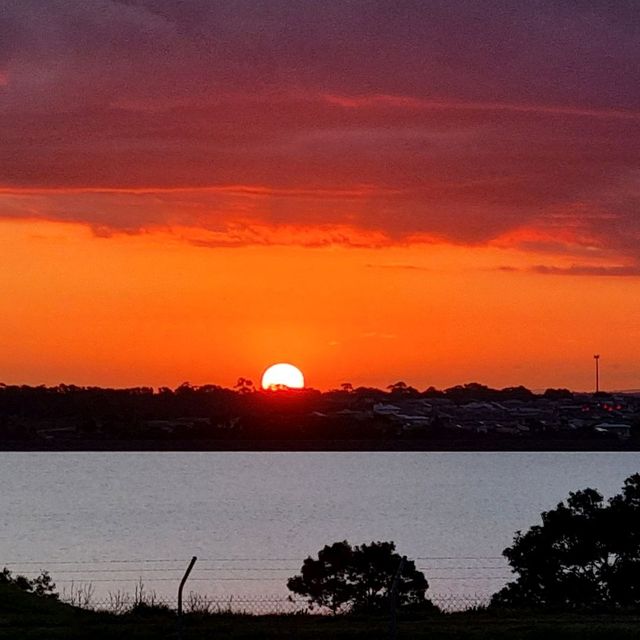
(26, 617)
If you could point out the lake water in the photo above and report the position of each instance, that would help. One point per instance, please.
(251, 518)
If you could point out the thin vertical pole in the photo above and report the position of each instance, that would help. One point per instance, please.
(393, 613)
(181, 587)
(597, 359)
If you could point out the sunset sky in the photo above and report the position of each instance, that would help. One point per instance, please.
(437, 192)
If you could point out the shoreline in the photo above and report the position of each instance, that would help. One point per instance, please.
(462, 445)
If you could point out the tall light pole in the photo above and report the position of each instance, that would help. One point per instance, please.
(597, 359)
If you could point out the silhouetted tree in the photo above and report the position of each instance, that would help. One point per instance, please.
(41, 585)
(516, 393)
(470, 392)
(358, 578)
(586, 553)
(244, 385)
(402, 389)
(557, 394)
(185, 388)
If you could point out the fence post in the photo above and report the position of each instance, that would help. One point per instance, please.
(180, 588)
(393, 613)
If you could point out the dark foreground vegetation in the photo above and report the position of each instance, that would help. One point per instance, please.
(584, 556)
(577, 576)
(24, 616)
(465, 417)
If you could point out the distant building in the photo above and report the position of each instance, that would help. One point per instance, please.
(623, 431)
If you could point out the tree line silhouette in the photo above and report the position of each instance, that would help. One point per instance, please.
(214, 412)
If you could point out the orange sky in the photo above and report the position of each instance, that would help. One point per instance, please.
(153, 309)
(437, 192)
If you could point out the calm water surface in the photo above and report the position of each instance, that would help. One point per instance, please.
(252, 518)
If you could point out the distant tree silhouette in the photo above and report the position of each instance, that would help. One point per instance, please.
(475, 392)
(401, 388)
(244, 385)
(586, 553)
(41, 585)
(557, 394)
(516, 393)
(358, 578)
(470, 392)
(347, 387)
(279, 387)
(185, 387)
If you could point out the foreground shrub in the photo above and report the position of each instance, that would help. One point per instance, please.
(585, 554)
(42, 585)
(359, 579)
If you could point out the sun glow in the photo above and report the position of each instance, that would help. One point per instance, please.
(282, 375)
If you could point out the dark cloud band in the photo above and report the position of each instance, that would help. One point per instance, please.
(394, 121)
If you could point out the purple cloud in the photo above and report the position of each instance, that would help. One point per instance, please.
(450, 120)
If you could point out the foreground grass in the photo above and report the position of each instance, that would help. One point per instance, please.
(25, 617)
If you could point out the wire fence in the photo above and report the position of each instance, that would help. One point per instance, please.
(119, 585)
(120, 603)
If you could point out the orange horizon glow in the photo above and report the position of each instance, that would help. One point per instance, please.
(151, 309)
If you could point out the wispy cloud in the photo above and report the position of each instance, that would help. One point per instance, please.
(576, 270)
(401, 267)
(412, 103)
(589, 270)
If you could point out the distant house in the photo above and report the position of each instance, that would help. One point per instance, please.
(382, 409)
(623, 431)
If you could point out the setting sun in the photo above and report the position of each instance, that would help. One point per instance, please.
(282, 375)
